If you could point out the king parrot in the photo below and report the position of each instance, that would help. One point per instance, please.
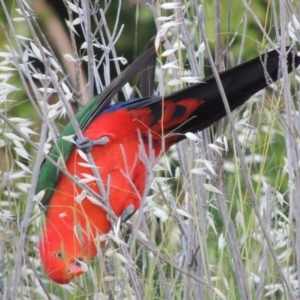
(119, 137)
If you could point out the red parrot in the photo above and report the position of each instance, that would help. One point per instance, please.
(118, 137)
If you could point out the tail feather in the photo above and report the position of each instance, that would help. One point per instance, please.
(239, 84)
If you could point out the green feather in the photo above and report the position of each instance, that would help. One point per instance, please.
(60, 151)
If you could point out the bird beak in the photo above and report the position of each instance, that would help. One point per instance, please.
(77, 268)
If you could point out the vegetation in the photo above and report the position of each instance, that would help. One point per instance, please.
(220, 220)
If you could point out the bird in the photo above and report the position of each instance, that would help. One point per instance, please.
(119, 138)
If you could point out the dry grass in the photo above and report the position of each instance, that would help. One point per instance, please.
(220, 220)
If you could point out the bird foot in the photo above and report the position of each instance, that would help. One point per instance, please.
(127, 228)
(85, 144)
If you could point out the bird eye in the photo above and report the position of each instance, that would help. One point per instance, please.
(58, 255)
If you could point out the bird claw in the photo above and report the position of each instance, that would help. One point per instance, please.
(127, 213)
(127, 228)
(85, 144)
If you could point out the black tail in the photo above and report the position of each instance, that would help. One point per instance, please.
(198, 106)
(239, 84)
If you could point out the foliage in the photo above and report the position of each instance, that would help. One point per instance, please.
(220, 219)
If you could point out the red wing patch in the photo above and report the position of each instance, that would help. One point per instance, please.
(163, 120)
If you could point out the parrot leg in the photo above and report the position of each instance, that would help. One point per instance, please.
(127, 212)
(85, 144)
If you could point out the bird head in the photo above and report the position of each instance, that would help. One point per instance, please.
(64, 254)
